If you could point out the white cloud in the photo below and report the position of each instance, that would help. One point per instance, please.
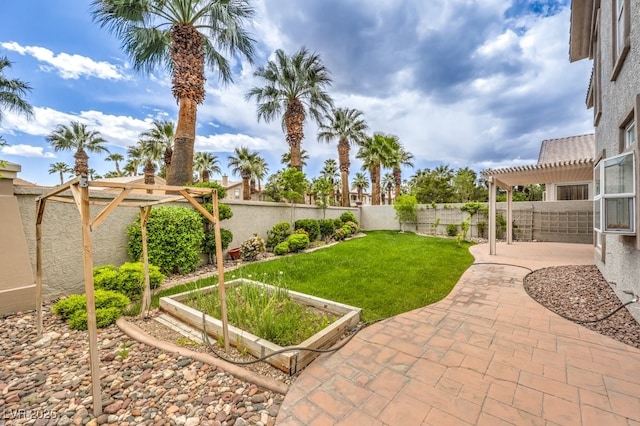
(69, 66)
(22, 150)
(227, 142)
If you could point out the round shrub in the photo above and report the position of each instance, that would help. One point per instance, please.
(312, 226)
(277, 234)
(251, 248)
(347, 230)
(348, 217)
(337, 223)
(298, 242)
(282, 248)
(327, 226)
(105, 277)
(339, 234)
(353, 227)
(209, 241)
(128, 280)
(452, 229)
(110, 305)
(175, 237)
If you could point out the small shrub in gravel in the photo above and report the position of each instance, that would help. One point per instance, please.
(327, 226)
(312, 227)
(348, 217)
(277, 234)
(110, 305)
(298, 242)
(251, 248)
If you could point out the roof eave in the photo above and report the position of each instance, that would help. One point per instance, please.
(580, 32)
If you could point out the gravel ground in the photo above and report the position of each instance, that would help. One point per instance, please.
(46, 381)
(581, 292)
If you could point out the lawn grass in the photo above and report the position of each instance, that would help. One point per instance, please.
(385, 273)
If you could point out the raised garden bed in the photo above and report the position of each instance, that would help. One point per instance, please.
(290, 362)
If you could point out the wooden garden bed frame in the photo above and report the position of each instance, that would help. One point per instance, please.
(79, 188)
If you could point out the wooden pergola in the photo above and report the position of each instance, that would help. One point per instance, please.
(79, 188)
(509, 177)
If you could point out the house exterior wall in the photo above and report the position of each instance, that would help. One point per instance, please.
(618, 257)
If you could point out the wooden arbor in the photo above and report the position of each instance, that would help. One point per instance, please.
(79, 188)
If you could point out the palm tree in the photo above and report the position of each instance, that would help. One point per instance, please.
(152, 154)
(12, 93)
(387, 185)
(77, 136)
(115, 157)
(330, 172)
(348, 126)
(135, 158)
(360, 183)
(182, 36)
(242, 164)
(399, 157)
(260, 170)
(60, 167)
(294, 87)
(286, 158)
(374, 153)
(206, 163)
(162, 132)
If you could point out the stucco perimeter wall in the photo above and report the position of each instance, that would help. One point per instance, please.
(62, 237)
(558, 221)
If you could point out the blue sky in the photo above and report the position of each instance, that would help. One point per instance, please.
(466, 83)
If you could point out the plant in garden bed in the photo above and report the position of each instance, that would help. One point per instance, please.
(271, 315)
(128, 279)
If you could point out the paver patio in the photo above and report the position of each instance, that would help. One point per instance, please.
(487, 354)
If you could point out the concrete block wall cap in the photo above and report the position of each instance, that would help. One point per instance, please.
(138, 334)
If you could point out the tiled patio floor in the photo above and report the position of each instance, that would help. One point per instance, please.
(487, 354)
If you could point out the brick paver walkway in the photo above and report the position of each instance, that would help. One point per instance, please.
(487, 354)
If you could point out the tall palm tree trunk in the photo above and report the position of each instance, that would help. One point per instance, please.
(375, 184)
(82, 163)
(168, 153)
(397, 178)
(182, 158)
(295, 133)
(343, 158)
(149, 175)
(246, 190)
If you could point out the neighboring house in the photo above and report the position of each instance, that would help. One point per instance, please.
(608, 32)
(234, 188)
(563, 151)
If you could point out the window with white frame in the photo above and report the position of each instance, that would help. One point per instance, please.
(572, 192)
(615, 195)
(630, 134)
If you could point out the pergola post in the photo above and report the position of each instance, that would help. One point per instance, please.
(510, 215)
(146, 295)
(87, 260)
(492, 216)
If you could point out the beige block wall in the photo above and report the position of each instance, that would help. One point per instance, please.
(62, 237)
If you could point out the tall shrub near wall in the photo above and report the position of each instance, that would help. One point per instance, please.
(174, 236)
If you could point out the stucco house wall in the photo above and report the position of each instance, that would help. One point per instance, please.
(617, 256)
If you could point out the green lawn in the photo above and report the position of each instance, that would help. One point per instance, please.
(384, 273)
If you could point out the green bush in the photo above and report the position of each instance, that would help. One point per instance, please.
(348, 217)
(175, 238)
(128, 280)
(105, 277)
(339, 234)
(104, 318)
(277, 234)
(224, 211)
(452, 229)
(251, 248)
(298, 242)
(222, 191)
(352, 226)
(209, 242)
(282, 248)
(327, 226)
(347, 230)
(110, 305)
(312, 226)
